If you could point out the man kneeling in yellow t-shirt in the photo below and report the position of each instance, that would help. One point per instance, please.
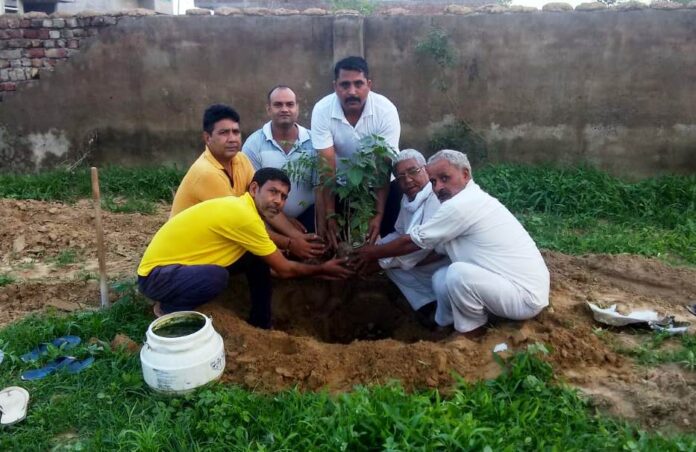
(189, 259)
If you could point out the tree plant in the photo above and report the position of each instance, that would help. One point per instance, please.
(354, 184)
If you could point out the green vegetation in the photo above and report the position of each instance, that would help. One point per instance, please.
(459, 135)
(6, 279)
(108, 406)
(581, 210)
(364, 7)
(436, 47)
(122, 189)
(65, 257)
(369, 168)
(655, 350)
(572, 210)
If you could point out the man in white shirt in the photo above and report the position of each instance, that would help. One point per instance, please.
(279, 142)
(339, 121)
(413, 272)
(496, 267)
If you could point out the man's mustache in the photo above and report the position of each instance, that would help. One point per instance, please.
(352, 98)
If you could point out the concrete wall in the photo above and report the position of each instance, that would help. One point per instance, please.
(615, 89)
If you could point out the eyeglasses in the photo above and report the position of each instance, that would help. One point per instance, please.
(411, 173)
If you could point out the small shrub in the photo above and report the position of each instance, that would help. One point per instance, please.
(461, 137)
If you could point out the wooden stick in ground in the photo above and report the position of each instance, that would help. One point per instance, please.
(103, 290)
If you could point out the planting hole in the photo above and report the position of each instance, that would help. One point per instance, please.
(341, 312)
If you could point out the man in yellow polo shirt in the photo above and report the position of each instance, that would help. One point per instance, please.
(221, 170)
(189, 259)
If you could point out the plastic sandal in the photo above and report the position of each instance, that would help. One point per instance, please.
(78, 366)
(63, 343)
(70, 364)
(48, 369)
(13, 405)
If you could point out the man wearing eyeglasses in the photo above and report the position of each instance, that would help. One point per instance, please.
(339, 121)
(413, 272)
(496, 266)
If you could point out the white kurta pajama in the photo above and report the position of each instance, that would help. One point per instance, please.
(496, 267)
(415, 282)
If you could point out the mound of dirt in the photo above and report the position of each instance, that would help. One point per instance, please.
(334, 336)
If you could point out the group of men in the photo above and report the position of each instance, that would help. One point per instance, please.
(455, 252)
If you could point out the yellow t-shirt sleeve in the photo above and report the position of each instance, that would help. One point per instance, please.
(251, 235)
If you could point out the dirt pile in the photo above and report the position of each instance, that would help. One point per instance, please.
(335, 336)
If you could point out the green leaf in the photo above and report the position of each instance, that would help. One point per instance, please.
(355, 175)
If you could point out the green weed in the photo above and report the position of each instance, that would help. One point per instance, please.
(65, 257)
(653, 352)
(136, 188)
(6, 279)
(582, 210)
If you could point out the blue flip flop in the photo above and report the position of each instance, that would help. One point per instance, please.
(70, 364)
(79, 365)
(63, 343)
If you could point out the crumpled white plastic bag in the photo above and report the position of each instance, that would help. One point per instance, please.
(611, 317)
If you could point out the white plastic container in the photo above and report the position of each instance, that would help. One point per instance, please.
(176, 365)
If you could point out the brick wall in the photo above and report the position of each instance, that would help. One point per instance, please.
(34, 43)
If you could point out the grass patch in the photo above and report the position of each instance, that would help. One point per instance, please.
(681, 350)
(108, 406)
(122, 189)
(65, 257)
(572, 210)
(582, 210)
(6, 279)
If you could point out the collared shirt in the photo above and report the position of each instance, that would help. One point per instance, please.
(263, 151)
(214, 232)
(207, 179)
(475, 227)
(331, 128)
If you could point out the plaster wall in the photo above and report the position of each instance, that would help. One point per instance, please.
(612, 89)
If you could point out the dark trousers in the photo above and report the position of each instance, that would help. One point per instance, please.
(307, 219)
(391, 208)
(185, 287)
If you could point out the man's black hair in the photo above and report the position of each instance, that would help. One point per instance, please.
(218, 112)
(352, 63)
(268, 96)
(263, 175)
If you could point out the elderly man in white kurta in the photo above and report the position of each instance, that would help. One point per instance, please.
(413, 272)
(496, 267)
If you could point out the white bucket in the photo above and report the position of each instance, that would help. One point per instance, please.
(176, 365)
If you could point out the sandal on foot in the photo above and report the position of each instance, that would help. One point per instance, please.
(13, 405)
(63, 343)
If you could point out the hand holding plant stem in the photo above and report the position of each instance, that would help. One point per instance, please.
(356, 185)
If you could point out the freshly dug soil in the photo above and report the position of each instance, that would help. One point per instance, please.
(336, 335)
